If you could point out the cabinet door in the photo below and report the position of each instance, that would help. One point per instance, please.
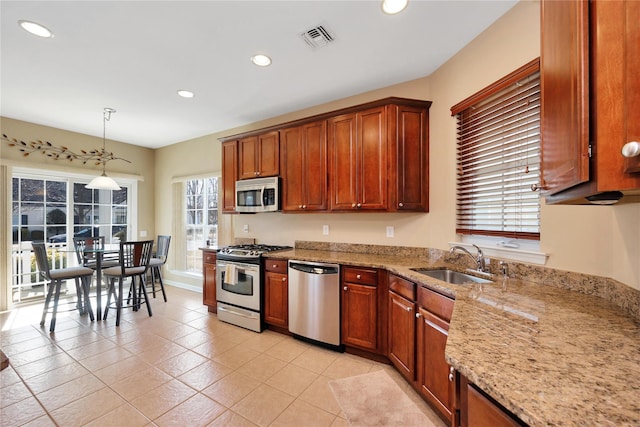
(433, 370)
(268, 160)
(209, 281)
(248, 158)
(402, 334)
(229, 175)
(276, 299)
(372, 166)
(314, 137)
(359, 316)
(410, 180)
(481, 412)
(564, 75)
(616, 59)
(342, 160)
(304, 167)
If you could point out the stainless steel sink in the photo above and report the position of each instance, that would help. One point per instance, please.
(451, 276)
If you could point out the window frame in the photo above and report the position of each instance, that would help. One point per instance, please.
(466, 222)
(193, 254)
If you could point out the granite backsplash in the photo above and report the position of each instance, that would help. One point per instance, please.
(625, 297)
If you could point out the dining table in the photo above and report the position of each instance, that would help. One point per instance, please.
(98, 254)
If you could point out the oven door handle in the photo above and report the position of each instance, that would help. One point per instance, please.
(235, 313)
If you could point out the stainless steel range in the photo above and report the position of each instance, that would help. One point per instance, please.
(239, 284)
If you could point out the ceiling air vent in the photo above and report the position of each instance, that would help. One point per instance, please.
(317, 36)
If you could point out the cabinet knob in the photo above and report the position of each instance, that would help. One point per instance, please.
(631, 149)
(299, 206)
(284, 279)
(358, 276)
(359, 205)
(304, 206)
(536, 187)
(353, 205)
(451, 371)
(345, 288)
(274, 266)
(400, 204)
(418, 315)
(409, 309)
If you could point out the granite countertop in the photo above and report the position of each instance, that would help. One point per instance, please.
(551, 356)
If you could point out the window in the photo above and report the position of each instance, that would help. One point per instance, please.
(498, 157)
(47, 207)
(201, 219)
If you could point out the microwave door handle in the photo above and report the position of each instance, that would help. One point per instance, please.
(262, 195)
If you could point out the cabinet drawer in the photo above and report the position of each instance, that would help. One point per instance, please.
(360, 275)
(402, 287)
(436, 303)
(276, 265)
(209, 258)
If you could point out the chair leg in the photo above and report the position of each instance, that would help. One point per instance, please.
(79, 293)
(46, 303)
(56, 298)
(110, 292)
(119, 302)
(146, 297)
(153, 281)
(164, 294)
(86, 283)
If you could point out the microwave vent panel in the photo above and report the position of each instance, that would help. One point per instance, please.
(317, 37)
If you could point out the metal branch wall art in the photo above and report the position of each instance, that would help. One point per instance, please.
(96, 156)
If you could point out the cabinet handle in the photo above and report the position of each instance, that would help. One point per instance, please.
(451, 371)
(409, 309)
(418, 315)
(345, 288)
(536, 187)
(358, 276)
(353, 205)
(631, 149)
(284, 279)
(400, 204)
(299, 206)
(304, 206)
(359, 205)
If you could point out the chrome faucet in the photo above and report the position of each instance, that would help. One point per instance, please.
(478, 258)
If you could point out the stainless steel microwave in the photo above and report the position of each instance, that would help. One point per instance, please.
(258, 195)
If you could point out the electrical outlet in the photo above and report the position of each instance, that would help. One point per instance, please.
(325, 230)
(143, 233)
(390, 230)
(245, 228)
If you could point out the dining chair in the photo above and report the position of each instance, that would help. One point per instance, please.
(87, 258)
(156, 263)
(81, 276)
(133, 264)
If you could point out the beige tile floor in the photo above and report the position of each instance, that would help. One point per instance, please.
(181, 367)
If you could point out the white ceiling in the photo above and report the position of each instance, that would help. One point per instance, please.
(134, 55)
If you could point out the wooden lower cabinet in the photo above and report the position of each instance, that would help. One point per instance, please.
(276, 293)
(402, 326)
(209, 272)
(479, 410)
(364, 308)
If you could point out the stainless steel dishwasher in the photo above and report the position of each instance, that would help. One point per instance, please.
(314, 302)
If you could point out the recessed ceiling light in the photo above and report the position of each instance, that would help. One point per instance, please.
(261, 60)
(186, 93)
(35, 29)
(392, 7)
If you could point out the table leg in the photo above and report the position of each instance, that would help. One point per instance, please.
(99, 285)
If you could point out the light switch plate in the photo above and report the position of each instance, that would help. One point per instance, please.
(245, 228)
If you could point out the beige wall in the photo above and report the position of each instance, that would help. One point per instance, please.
(141, 168)
(591, 239)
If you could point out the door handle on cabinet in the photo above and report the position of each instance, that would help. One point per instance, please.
(631, 149)
(345, 288)
(418, 315)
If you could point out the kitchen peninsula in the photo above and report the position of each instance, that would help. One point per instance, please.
(535, 342)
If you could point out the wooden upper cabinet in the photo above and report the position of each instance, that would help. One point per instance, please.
(564, 77)
(409, 163)
(358, 160)
(229, 175)
(616, 100)
(303, 151)
(590, 53)
(259, 156)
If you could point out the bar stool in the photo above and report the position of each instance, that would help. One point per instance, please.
(81, 275)
(134, 263)
(156, 263)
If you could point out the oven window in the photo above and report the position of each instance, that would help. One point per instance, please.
(243, 285)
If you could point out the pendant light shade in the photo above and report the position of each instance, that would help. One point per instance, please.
(103, 182)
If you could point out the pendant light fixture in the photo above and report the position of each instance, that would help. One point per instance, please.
(103, 182)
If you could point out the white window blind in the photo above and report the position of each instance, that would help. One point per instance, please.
(498, 157)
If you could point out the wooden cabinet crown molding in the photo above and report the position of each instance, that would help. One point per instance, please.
(323, 116)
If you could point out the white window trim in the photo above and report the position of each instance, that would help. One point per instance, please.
(527, 251)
